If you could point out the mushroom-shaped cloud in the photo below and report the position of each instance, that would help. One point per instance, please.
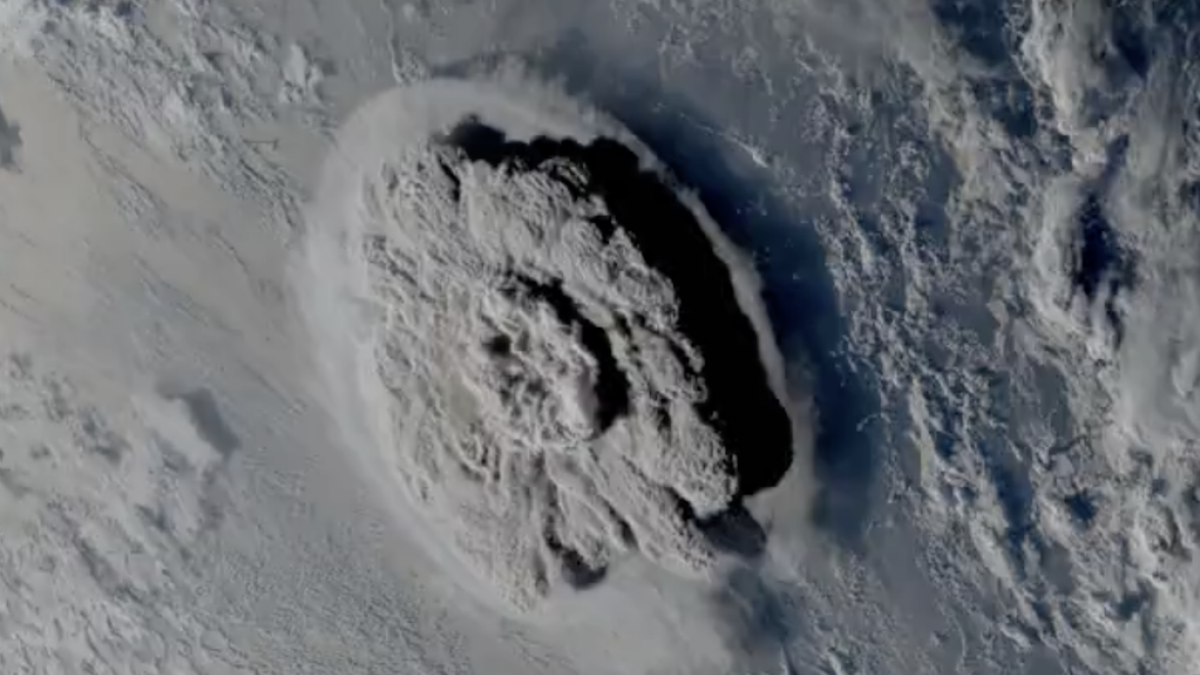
(559, 360)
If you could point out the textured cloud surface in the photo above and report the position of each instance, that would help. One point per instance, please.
(566, 369)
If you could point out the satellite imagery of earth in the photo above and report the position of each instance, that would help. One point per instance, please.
(599, 337)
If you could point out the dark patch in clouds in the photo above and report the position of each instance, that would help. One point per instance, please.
(10, 142)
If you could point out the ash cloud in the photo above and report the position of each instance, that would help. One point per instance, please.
(568, 361)
(740, 404)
